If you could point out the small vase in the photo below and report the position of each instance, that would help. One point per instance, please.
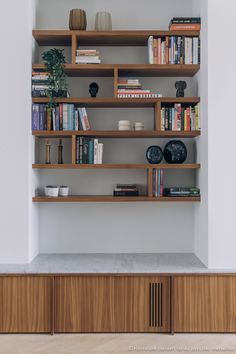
(103, 21)
(77, 20)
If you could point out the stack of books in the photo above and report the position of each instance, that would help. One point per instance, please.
(185, 24)
(179, 118)
(174, 50)
(182, 192)
(87, 56)
(65, 116)
(157, 182)
(88, 151)
(132, 88)
(39, 83)
(126, 190)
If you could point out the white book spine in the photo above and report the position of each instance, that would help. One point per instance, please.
(100, 153)
(95, 151)
(82, 118)
(65, 116)
(150, 49)
(85, 118)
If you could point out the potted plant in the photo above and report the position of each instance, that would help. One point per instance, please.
(54, 61)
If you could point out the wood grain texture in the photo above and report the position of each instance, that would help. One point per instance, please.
(107, 38)
(25, 304)
(107, 304)
(143, 70)
(204, 304)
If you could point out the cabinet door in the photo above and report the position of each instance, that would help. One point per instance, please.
(112, 304)
(25, 304)
(205, 304)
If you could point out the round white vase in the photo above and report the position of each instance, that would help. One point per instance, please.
(103, 21)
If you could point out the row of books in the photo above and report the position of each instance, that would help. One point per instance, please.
(185, 24)
(157, 182)
(39, 83)
(174, 50)
(88, 151)
(179, 118)
(87, 56)
(182, 192)
(65, 116)
(132, 88)
(126, 190)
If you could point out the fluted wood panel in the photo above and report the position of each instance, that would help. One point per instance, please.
(205, 304)
(25, 304)
(108, 304)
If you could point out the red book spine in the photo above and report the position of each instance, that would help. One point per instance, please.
(159, 51)
(188, 118)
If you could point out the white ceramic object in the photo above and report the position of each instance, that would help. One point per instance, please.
(51, 191)
(124, 122)
(103, 21)
(138, 126)
(64, 191)
(124, 127)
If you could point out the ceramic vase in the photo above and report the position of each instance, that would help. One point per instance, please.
(77, 20)
(103, 21)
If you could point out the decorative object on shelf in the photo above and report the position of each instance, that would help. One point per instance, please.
(77, 20)
(103, 21)
(54, 60)
(175, 151)
(59, 153)
(93, 89)
(180, 87)
(51, 191)
(64, 191)
(124, 125)
(154, 154)
(47, 153)
(138, 126)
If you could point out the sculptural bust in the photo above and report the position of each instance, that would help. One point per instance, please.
(180, 86)
(93, 89)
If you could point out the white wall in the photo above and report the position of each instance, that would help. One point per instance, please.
(117, 227)
(18, 235)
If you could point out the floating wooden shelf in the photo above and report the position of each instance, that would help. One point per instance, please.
(117, 134)
(120, 102)
(146, 70)
(116, 166)
(107, 38)
(108, 198)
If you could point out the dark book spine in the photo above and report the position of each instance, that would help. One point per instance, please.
(199, 50)
(125, 193)
(35, 116)
(60, 116)
(166, 118)
(41, 117)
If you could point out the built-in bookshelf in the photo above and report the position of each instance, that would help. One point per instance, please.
(73, 39)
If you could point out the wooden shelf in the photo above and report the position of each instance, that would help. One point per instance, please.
(117, 134)
(108, 198)
(146, 70)
(107, 38)
(116, 166)
(119, 102)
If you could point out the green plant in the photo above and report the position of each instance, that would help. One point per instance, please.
(54, 61)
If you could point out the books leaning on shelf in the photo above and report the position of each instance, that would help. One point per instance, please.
(126, 190)
(132, 88)
(185, 24)
(179, 118)
(64, 116)
(39, 83)
(174, 50)
(157, 182)
(182, 192)
(87, 56)
(88, 151)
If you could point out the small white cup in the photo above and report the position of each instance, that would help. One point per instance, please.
(51, 191)
(64, 191)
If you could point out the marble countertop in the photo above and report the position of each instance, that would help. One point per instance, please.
(111, 263)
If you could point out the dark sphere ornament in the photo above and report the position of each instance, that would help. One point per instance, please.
(154, 154)
(175, 151)
(93, 89)
(180, 87)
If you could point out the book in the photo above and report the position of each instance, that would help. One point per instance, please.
(181, 118)
(126, 193)
(84, 119)
(182, 192)
(185, 27)
(35, 116)
(186, 20)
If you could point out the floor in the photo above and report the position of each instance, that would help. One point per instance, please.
(117, 343)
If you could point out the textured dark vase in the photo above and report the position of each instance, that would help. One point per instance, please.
(77, 20)
(175, 151)
(154, 154)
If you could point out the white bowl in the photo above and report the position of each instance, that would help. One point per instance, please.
(51, 191)
(124, 127)
(124, 122)
(64, 191)
(139, 128)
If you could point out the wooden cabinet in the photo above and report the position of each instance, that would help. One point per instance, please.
(205, 303)
(112, 304)
(25, 304)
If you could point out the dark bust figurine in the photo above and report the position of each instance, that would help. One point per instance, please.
(93, 89)
(180, 86)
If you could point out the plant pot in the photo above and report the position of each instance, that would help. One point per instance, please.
(51, 191)
(103, 21)
(64, 191)
(77, 20)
